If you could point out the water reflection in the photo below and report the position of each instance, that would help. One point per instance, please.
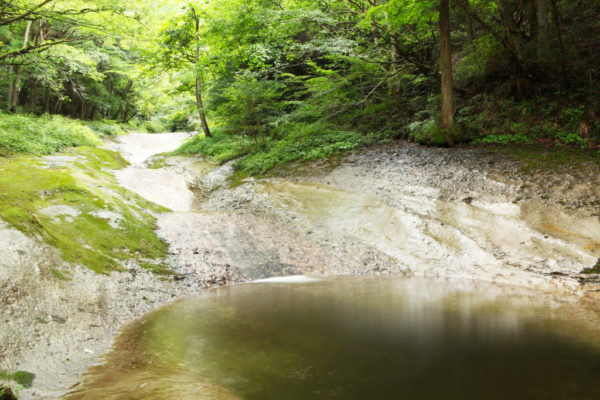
(351, 338)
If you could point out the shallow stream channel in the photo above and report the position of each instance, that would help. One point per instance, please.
(326, 289)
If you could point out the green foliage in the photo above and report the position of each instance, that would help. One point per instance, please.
(106, 127)
(220, 148)
(154, 126)
(504, 139)
(303, 142)
(26, 134)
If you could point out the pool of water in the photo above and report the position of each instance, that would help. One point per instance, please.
(356, 338)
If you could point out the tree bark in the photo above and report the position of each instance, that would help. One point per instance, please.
(11, 87)
(557, 22)
(17, 84)
(469, 21)
(446, 64)
(199, 101)
(511, 32)
(542, 29)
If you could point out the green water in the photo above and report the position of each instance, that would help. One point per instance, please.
(356, 338)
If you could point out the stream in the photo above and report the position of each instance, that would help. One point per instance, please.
(461, 310)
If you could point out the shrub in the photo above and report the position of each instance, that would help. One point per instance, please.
(154, 126)
(27, 134)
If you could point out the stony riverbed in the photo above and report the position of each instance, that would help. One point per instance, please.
(399, 209)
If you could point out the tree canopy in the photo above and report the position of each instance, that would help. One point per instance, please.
(335, 73)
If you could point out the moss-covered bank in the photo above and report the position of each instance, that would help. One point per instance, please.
(73, 203)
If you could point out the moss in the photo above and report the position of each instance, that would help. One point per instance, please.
(237, 178)
(22, 378)
(101, 158)
(436, 136)
(535, 158)
(27, 187)
(593, 270)
(61, 276)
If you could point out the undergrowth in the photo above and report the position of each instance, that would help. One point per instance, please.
(303, 142)
(26, 134)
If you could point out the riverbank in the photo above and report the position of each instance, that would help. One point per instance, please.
(399, 209)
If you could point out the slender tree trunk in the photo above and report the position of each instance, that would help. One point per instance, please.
(17, 85)
(199, 101)
(33, 95)
(446, 64)
(557, 23)
(11, 87)
(510, 30)
(47, 101)
(532, 19)
(542, 30)
(469, 21)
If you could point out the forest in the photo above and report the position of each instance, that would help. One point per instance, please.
(272, 81)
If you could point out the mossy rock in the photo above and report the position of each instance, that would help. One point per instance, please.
(86, 236)
(437, 136)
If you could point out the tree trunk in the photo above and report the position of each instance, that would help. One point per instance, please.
(469, 22)
(47, 101)
(32, 96)
(17, 85)
(199, 101)
(542, 30)
(557, 22)
(511, 32)
(11, 87)
(446, 65)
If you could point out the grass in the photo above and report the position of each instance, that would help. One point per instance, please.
(27, 187)
(303, 142)
(26, 134)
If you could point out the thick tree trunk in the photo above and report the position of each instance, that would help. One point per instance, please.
(446, 64)
(199, 101)
(17, 85)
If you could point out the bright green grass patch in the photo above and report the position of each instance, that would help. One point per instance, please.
(303, 142)
(219, 148)
(25, 134)
(27, 187)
